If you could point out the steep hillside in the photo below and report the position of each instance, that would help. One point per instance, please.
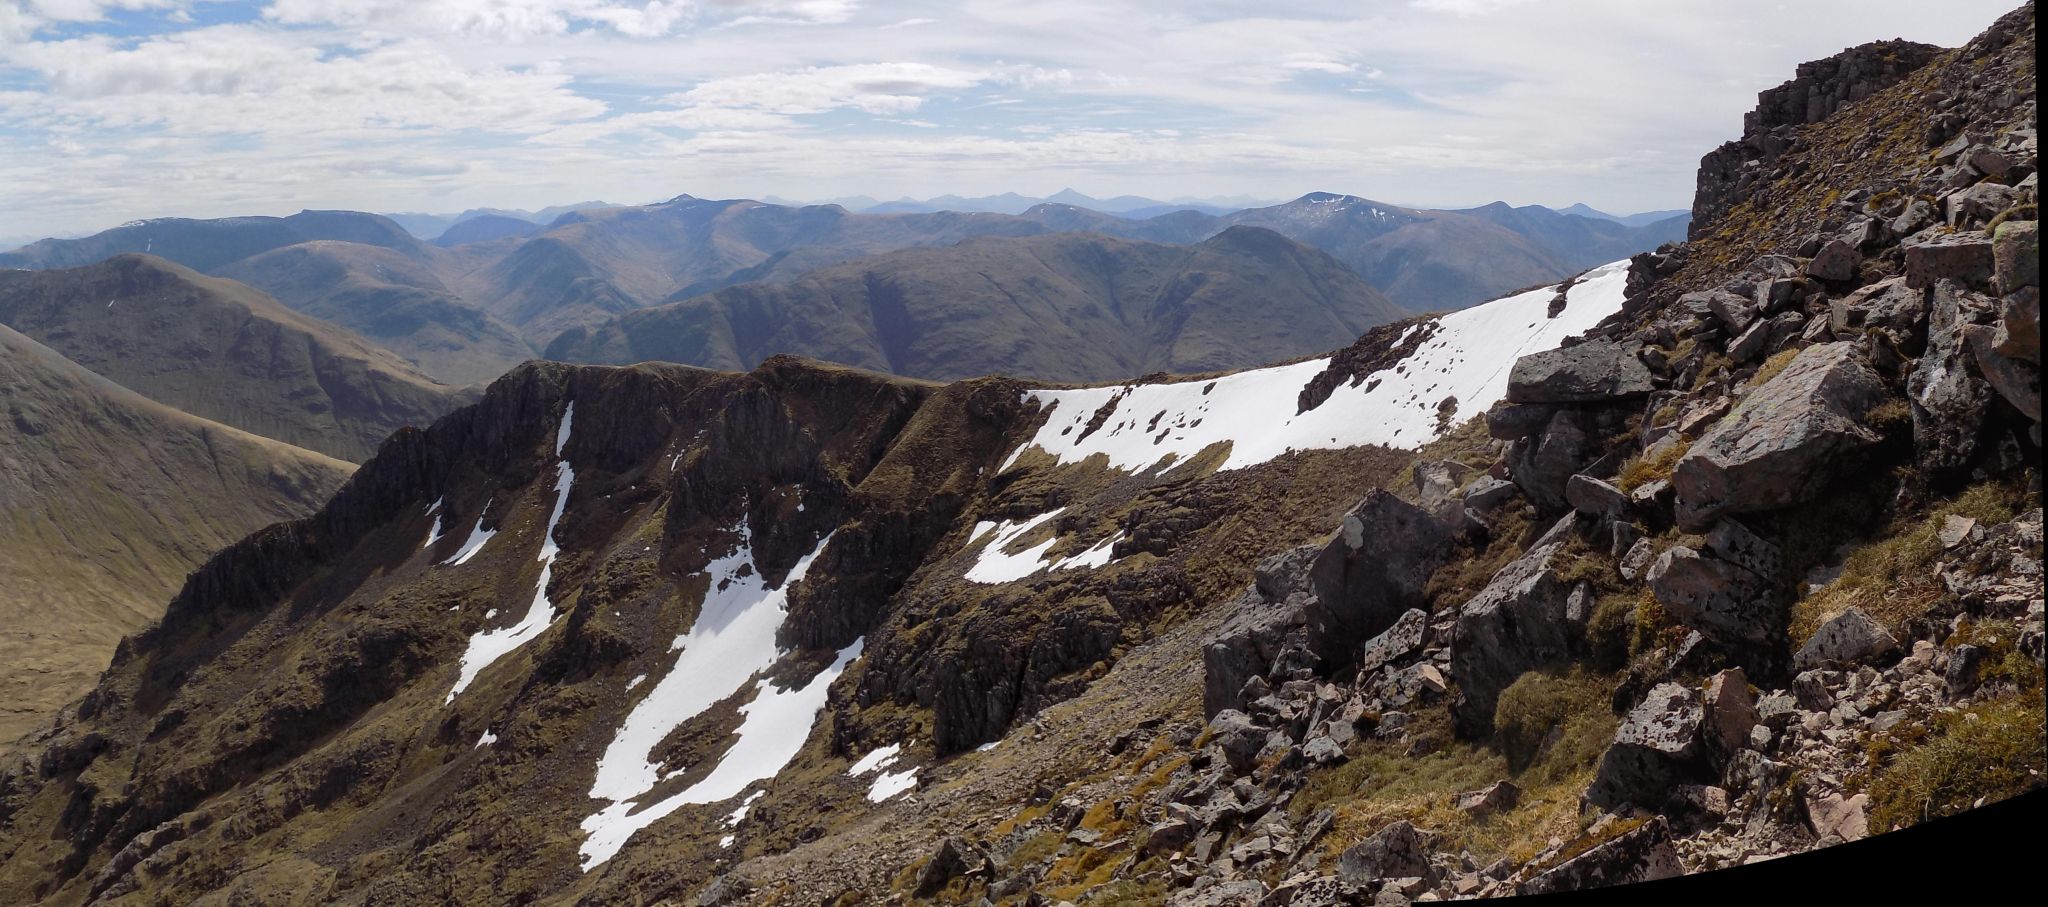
(203, 245)
(391, 300)
(484, 228)
(1064, 307)
(222, 351)
(610, 632)
(107, 501)
(1582, 241)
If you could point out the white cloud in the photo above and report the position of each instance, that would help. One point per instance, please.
(877, 88)
(446, 104)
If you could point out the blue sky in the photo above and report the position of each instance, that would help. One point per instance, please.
(113, 110)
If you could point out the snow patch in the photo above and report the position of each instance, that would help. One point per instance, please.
(880, 758)
(487, 646)
(478, 537)
(440, 519)
(732, 641)
(486, 740)
(1468, 357)
(995, 565)
(889, 785)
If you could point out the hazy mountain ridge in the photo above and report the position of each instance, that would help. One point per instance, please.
(223, 351)
(1062, 307)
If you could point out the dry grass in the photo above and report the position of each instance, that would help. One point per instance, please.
(1651, 465)
(1990, 752)
(1891, 577)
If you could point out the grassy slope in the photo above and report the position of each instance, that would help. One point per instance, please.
(107, 500)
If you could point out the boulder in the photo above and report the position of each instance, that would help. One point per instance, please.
(1785, 441)
(1260, 625)
(1978, 203)
(1657, 745)
(1541, 464)
(1515, 421)
(1488, 494)
(2018, 335)
(2016, 255)
(1498, 797)
(2017, 380)
(1730, 712)
(1849, 639)
(1592, 372)
(1371, 572)
(952, 860)
(1842, 817)
(1732, 309)
(1645, 854)
(1167, 838)
(1239, 737)
(1405, 636)
(1721, 600)
(1836, 261)
(1517, 623)
(1436, 489)
(1949, 395)
(1397, 851)
(1595, 497)
(1965, 257)
(1887, 305)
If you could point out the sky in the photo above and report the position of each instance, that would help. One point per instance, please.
(116, 110)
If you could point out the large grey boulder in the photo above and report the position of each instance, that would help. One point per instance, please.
(1263, 620)
(1542, 463)
(2016, 255)
(1849, 639)
(1404, 637)
(1519, 622)
(1835, 261)
(1785, 441)
(1887, 305)
(2017, 380)
(1949, 395)
(1966, 257)
(2019, 325)
(1372, 572)
(1592, 372)
(1436, 489)
(1657, 746)
(1398, 851)
(1645, 854)
(1730, 712)
(1718, 598)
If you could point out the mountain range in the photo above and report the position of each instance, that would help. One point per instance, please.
(1723, 553)
(1059, 306)
(464, 310)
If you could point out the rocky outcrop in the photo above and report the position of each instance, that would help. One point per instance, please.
(1820, 88)
(1657, 745)
(1786, 440)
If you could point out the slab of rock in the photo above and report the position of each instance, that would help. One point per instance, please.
(1840, 816)
(1436, 489)
(1168, 838)
(1721, 600)
(1888, 305)
(1405, 636)
(2016, 255)
(1949, 395)
(1657, 745)
(1966, 257)
(1261, 622)
(1371, 572)
(1397, 851)
(1731, 712)
(1978, 203)
(2017, 380)
(1849, 639)
(2019, 325)
(1542, 463)
(1836, 261)
(1498, 797)
(1592, 372)
(1238, 736)
(1595, 497)
(1643, 855)
(1488, 493)
(1519, 622)
(1785, 442)
(952, 859)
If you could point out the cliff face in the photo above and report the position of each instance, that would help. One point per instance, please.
(1821, 87)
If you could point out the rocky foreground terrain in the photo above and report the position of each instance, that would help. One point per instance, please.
(1726, 552)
